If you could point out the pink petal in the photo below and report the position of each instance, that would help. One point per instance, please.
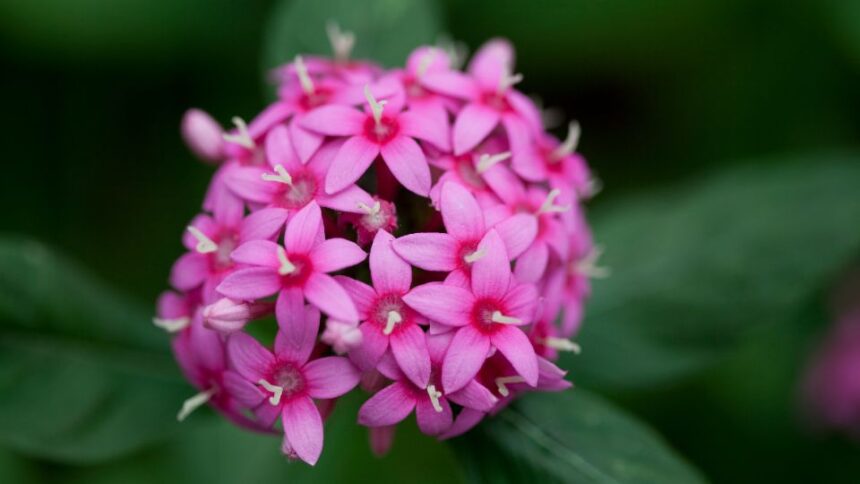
(464, 358)
(247, 393)
(189, 271)
(351, 161)
(525, 110)
(347, 200)
(429, 59)
(248, 357)
(207, 346)
(263, 224)
(475, 396)
(520, 301)
(303, 428)
(428, 251)
(389, 272)
(518, 350)
(203, 135)
(325, 293)
(251, 283)
(279, 149)
(532, 263)
(298, 326)
(409, 347)
(472, 125)
(431, 422)
(257, 253)
(518, 232)
(373, 345)
(408, 164)
(389, 406)
(491, 274)
(303, 228)
(361, 294)
(305, 142)
(504, 184)
(492, 60)
(449, 305)
(466, 420)
(528, 165)
(454, 84)
(462, 215)
(336, 254)
(425, 128)
(330, 377)
(334, 120)
(247, 183)
(381, 439)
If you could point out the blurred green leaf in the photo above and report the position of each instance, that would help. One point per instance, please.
(84, 376)
(386, 31)
(570, 437)
(697, 267)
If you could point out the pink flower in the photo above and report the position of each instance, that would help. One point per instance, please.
(430, 401)
(385, 131)
(558, 163)
(286, 382)
(457, 250)
(297, 270)
(203, 135)
(388, 322)
(381, 216)
(227, 316)
(485, 316)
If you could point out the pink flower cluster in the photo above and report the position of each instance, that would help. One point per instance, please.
(465, 210)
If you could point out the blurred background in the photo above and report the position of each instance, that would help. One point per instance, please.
(725, 133)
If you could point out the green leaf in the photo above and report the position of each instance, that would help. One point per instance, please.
(386, 31)
(696, 267)
(84, 376)
(570, 437)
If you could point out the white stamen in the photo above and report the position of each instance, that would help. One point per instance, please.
(487, 161)
(549, 206)
(507, 81)
(470, 258)
(434, 398)
(375, 106)
(375, 209)
(243, 138)
(341, 41)
(304, 78)
(502, 381)
(282, 176)
(205, 245)
(498, 317)
(561, 344)
(393, 318)
(194, 403)
(569, 144)
(172, 325)
(456, 51)
(587, 266)
(286, 267)
(592, 187)
(276, 391)
(426, 61)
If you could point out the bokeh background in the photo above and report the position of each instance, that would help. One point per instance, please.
(725, 133)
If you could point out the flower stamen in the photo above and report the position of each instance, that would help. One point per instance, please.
(282, 176)
(425, 62)
(503, 381)
(393, 318)
(507, 81)
(487, 161)
(195, 402)
(205, 245)
(474, 256)
(286, 266)
(498, 317)
(370, 210)
(561, 344)
(341, 41)
(434, 398)
(549, 206)
(243, 138)
(172, 325)
(587, 266)
(569, 144)
(276, 390)
(304, 78)
(375, 106)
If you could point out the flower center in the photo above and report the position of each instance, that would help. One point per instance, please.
(294, 268)
(220, 259)
(496, 100)
(381, 132)
(311, 100)
(468, 254)
(390, 313)
(297, 189)
(288, 381)
(487, 314)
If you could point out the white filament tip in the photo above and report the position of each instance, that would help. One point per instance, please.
(341, 41)
(275, 389)
(393, 318)
(193, 403)
(587, 266)
(286, 266)
(569, 144)
(498, 317)
(370, 210)
(205, 245)
(503, 381)
(282, 176)
(426, 61)
(508, 80)
(172, 325)
(562, 344)
(243, 137)
(474, 256)
(434, 398)
(487, 161)
(304, 78)
(375, 106)
(549, 205)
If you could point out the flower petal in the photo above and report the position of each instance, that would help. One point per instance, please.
(418, 125)
(279, 149)
(532, 263)
(350, 162)
(475, 396)
(303, 228)
(428, 251)
(298, 326)
(461, 213)
(330, 377)
(472, 125)
(361, 294)
(262, 253)
(247, 393)
(347, 200)
(247, 182)
(466, 420)
(451, 83)
(518, 350)
(251, 283)
(303, 428)
(464, 358)
(520, 301)
(518, 232)
(492, 60)
(248, 357)
(336, 254)
(449, 305)
(408, 164)
(409, 347)
(189, 271)
(263, 224)
(305, 142)
(334, 120)
(431, 422)
(373, 345)
(491, 274)
(389, 406)
(389, 272)
(326, 294)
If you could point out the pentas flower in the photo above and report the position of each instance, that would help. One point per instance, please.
(478, 253)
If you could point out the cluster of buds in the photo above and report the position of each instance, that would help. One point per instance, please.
(423, 213)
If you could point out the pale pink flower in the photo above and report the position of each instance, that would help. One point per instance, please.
(342, 337)
(557, 163)
(228, 316)
(298, 269)
(203, 135)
